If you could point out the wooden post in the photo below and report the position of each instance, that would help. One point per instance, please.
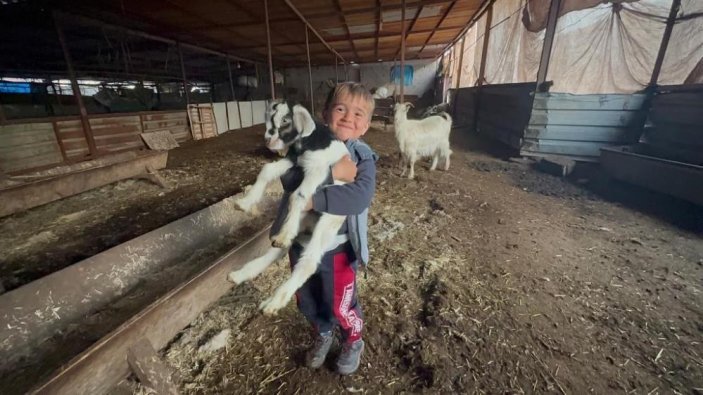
(59, 141)
(458, 77)
(183, 72)
(665, 42)
(268, 44)
(336, 65)
(548, 41)
(482, 69)
(307, 48)
(402, 52)
(234, 98)
(76, 90)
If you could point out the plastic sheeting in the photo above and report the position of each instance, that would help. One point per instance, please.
(598, 47)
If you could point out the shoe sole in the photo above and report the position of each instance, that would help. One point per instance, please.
(358, 363)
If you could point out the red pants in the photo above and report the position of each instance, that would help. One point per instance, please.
(329, 297)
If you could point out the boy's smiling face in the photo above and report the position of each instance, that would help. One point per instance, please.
(349, 117)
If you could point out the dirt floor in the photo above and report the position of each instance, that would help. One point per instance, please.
(488, 278)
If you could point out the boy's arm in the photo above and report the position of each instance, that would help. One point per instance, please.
(292, 178)
(348, 199)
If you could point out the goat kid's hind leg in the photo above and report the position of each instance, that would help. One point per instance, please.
(323, 234)
(435, 159)
(268, 173)
(253, 268)
(298, 199)
(412, 160)
(446, 159)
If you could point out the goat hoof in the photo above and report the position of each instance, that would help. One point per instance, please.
(271, 305)
(236, 277)
(242, 206)
(283, 244)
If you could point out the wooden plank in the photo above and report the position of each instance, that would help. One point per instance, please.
(149, 369)
(566, 148)
(678, 179)
(25, 196)
(97, 369)
(565, 101)
(582, 133)
(588, 118)
(162, 140)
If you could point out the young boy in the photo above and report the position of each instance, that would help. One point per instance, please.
(329, 298)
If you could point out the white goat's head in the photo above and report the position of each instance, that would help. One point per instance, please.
(285, 124)
(402, 107)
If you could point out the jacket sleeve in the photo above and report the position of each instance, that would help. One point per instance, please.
(352, 198)
(292, 178)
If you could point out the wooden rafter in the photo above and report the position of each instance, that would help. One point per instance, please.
(378, 27)
(343, 19)
(439, 23)
(409, 29)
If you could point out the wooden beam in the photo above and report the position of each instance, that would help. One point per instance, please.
(461, 61)
(149, 369)
(76, 90)
(148, 36)
(185, 78)
(484, 51)
(346, 27)
(312, 99)
(234, 97)
(675, 5)
(402, 53)
(268, 42)
(482, 68)
(104, 364)
(444, 15)
(302, 18)
(477, 15)
(378, 26)
(548, 42)
(408, 30)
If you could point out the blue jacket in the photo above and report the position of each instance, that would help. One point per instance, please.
(352, 199)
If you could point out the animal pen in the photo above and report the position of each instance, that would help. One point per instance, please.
(128, 128)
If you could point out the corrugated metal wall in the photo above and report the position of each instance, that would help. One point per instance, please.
(504, 111)
(674, 129)
(578, 126)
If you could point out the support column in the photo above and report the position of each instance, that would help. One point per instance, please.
(76, 91)
(482, 69)
(402, 53)
(234, 98)
(183, 72)
(268, 44)
(458, 77)
(336, 65)
(307, 49)
(665, 42)
(548, 42)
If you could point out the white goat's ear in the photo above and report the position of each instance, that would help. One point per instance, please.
(302, 120)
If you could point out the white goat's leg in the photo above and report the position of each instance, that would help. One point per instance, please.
(412, 160)
(435, 158)
(268, 173)
(446, 159)
(254, 267)
(403, 164)
(298, 199)
(323, 234)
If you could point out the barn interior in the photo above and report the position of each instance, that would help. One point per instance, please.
(561, 252)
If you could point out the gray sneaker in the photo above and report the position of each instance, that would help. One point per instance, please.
(316, 356)
(350, 357)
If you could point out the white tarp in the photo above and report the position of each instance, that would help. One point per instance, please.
(598, 47)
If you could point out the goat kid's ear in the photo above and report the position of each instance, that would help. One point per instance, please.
(302, 120)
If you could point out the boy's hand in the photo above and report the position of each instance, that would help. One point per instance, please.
(344, 170)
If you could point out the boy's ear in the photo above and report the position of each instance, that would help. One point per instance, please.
(302, 120)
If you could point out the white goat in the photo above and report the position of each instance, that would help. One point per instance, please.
(418, 138)
(315, 149)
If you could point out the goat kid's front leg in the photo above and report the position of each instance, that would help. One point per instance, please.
(253, 268)
(268, 173)
(323, 234)
(435, 159)
(291, 226)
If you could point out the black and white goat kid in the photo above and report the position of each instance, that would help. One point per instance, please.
(314, 148)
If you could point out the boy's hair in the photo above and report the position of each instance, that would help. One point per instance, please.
(353, 89)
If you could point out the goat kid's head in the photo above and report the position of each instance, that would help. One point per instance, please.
(286, 124)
